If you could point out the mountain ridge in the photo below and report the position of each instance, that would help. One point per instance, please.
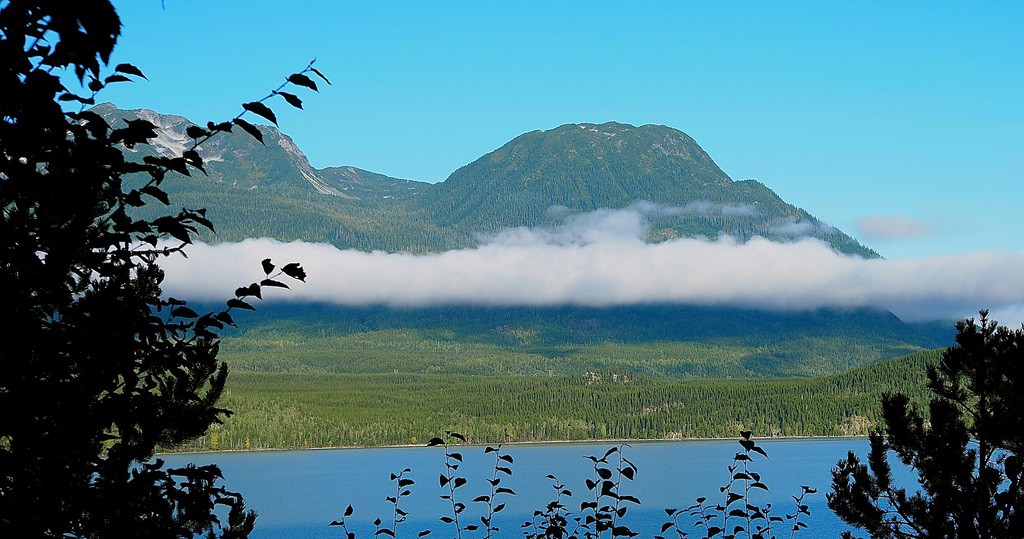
(585, 167)
(537, 179)
(271, 190)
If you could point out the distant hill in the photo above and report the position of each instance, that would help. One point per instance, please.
(537, 179)
(664, 341)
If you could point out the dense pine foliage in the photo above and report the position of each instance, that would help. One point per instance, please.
(289, 410)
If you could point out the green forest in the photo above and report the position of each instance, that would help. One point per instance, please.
(329, 376)
(295, 410)
(662, 341)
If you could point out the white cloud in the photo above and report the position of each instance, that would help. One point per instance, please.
(890, 228)
(697, 207)
(598, 259)
(745, 210)
(794, 228)
(648, 209)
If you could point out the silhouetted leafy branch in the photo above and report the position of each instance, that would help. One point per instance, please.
(605, 515)
(756, 521)
(183, 226)
(344, 526)
(502, 465)
(107, 369)
(553, 520)
(449, 479)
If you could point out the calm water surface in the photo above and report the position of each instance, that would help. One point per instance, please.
(297, 493)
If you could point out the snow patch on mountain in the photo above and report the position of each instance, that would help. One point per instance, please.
(171, 140)
(322, 186)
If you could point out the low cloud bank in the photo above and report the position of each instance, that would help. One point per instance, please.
(599, 259)
(892, 228)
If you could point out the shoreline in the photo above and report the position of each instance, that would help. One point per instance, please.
(513, 444)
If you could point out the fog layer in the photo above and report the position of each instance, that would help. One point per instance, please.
(600, 259)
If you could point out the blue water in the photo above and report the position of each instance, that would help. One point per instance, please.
(297, 493)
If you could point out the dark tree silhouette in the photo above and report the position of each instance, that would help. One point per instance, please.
(97, 369)
(965, 451)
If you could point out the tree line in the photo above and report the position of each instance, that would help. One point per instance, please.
(294, 410)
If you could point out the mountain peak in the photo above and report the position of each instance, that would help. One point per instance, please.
(583, 167)
(648, 145)
(228, 154)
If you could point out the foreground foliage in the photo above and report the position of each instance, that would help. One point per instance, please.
(966, 450)
(603, 508)
(99, 369)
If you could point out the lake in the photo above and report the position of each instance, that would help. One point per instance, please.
(297, 493)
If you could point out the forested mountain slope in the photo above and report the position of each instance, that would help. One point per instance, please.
(256, 190)
(537, 179)
(662, 341)
(542, 176)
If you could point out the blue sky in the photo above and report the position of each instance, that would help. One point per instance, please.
(902, 124)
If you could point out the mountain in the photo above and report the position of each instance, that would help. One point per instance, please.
(583, 167)
(256, 190)
(665, 341)
(540, 178)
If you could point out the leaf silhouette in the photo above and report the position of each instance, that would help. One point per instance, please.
(259, 108)
(292, 99)
(249, 128)
(301, 80)
(129, 69)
